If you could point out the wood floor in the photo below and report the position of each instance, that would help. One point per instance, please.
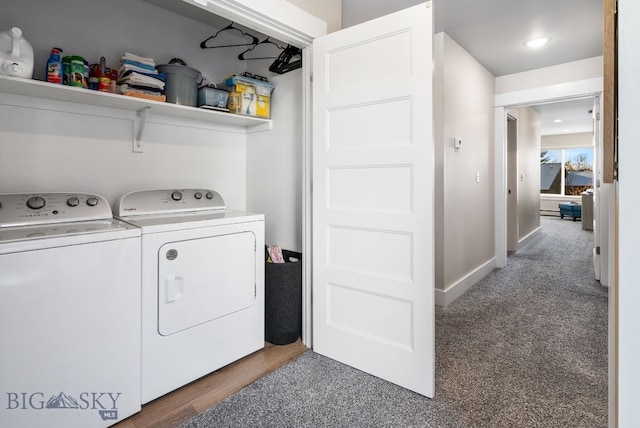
(177, 407)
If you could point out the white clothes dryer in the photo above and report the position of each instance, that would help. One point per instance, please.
(202, 284)
(69, 312)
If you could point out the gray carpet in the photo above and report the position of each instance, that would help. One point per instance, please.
(525, 347)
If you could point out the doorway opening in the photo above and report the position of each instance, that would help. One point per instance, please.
(551, 154)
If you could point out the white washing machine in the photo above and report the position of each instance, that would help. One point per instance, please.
(202, 284)
(69, 312)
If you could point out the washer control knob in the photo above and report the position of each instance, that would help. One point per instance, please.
(176, 196)
(36, 202)
(209, 195)
(73, 201)
(198, 195)
(92, 201)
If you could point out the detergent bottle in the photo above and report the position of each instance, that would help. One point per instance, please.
(54, 67)
(16, 54)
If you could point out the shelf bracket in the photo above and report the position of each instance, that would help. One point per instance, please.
(260, 128)
(142, 115)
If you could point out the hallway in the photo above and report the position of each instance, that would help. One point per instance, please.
(527, 346)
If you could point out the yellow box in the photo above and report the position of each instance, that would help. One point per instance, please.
(244, 100)
(249, 98)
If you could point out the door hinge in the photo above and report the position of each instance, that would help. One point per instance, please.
(311, 77)
(598, 250)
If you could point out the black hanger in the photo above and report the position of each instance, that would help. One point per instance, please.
(254, 39)
(266, 41)
(290, 59)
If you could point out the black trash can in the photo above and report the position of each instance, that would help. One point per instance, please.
(283, 299)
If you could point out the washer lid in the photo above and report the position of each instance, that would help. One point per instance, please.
(165, 201)
(41, 231)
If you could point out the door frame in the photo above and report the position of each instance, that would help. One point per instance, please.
(307, 189)
(505, 101)
(512, 182)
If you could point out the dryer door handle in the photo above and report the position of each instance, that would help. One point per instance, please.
(174, 288)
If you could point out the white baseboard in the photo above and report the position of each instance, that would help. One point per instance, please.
(530, 237)
(444, 297)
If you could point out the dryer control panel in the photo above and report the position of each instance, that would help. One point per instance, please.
(166, 201)
(21, 209)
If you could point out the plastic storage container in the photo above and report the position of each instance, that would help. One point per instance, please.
(182, 83)
(213, 97)
(76, 71)
(249, 97)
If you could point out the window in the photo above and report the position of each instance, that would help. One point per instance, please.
(567, 172)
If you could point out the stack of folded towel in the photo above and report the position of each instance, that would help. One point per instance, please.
(139, 78)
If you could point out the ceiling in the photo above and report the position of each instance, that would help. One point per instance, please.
(494, 31)
(575, 115)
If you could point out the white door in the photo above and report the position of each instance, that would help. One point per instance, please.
(373, 191)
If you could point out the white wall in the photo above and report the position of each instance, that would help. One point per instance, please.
(329, 11)
(51, 151)
(528, 172)
(464, 207)
(562, 141)
(628, 208)
(357, 11)
(563, 73)
(274, 166)
(44, 150)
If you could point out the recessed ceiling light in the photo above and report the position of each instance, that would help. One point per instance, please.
(537, 42)
(557, 121)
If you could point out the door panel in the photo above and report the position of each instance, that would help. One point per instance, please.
(358, 188)
(375, 124)
(380, 59)
(200, 280)
(373, 191)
